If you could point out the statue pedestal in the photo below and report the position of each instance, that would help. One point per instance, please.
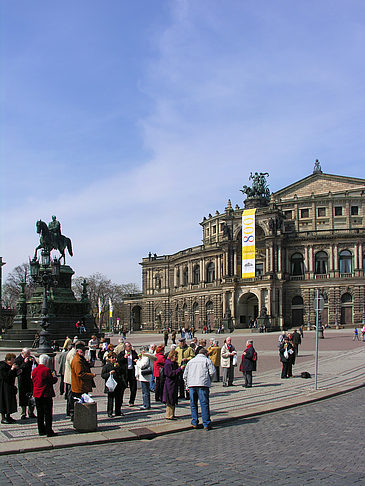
(64, 310)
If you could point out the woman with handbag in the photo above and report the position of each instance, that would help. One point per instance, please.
(113, 370)
(144, 370)
(228, 361)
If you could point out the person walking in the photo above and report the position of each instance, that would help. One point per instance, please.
(228, 352)
(197, 377)
(172, 371)
(356, 335)
(43, 393)
(248, 363)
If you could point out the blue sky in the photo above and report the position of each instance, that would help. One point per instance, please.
(132, 120)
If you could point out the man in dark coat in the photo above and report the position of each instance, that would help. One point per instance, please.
(296, 340)
(8, 372)
(285, 352)
(25, 363)
(127, 361)
(248, 363)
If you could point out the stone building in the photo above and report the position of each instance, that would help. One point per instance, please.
(310, 236)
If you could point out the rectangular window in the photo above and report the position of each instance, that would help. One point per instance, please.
(222, 226)
(338, 210)
(321, 212)
(354, 210)
(214, 230)
(288, 214)
(304, 213)
(259, 268)
(207, 232)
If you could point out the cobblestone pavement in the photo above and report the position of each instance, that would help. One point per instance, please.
(316, 444)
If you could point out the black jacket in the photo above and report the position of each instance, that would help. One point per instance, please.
(248, 363)
(119, 376)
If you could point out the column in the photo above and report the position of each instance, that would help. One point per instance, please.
(280, 255)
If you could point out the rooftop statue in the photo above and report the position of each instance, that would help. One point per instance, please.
(52, 239)
(259, 188)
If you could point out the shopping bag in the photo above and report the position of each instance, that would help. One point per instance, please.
(111, 383)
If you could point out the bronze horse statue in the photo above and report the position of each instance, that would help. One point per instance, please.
(49, 241)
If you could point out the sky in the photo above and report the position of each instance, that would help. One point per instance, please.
(131, 121)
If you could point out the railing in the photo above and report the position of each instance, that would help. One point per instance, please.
(321, 275)
(296, 277)
(345, 275)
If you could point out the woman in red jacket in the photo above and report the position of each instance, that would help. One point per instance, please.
(43, 393)
(158, 365)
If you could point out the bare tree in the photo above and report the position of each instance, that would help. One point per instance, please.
(100, 287)
(11, 287)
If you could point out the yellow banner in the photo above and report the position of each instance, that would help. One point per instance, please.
(248, 243)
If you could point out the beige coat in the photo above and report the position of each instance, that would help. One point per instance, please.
(69, 358)
(214, 353)
(225, 357)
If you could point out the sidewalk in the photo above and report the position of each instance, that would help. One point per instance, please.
(338, 373)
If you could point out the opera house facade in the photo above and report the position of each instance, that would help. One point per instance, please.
(306, 237)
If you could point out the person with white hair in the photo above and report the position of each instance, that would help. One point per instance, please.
(43, 392)
(25, 363)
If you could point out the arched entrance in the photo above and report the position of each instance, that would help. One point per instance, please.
(346, 309)
(297, 311)
(136, 318)
(247, 308)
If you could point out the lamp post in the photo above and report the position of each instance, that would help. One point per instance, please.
(46, 274)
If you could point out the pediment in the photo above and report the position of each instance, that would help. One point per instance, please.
(319, 184)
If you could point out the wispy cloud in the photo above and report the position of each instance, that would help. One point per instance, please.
(231, 88)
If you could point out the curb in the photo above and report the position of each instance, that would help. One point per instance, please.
(97, 438)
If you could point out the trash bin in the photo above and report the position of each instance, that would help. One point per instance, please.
(85, 417)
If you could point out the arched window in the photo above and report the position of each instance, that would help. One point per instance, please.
(321, 263)
(196, 274)
(346, 298)
(297, 264)
(185, 276)
(210, 272)
(195, 314)
(345, 261)
(297, 300)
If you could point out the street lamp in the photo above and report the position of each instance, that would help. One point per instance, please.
(45, 274)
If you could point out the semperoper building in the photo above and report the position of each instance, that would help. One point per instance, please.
(309, 235)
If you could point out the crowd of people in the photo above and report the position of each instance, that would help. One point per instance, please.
(181, 372)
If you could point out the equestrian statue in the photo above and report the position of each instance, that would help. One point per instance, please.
(52, 239)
